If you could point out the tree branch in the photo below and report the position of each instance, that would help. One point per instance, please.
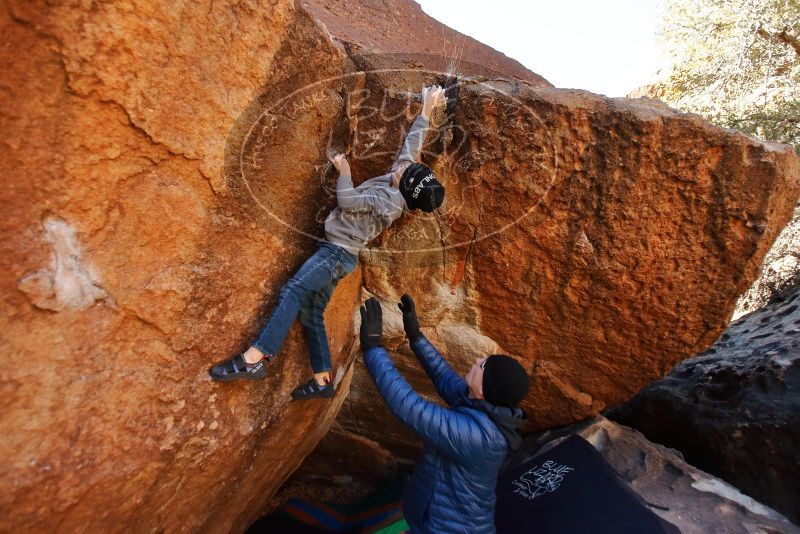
(756, 118)
(782, 37)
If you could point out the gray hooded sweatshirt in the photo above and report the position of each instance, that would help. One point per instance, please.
(365, 211)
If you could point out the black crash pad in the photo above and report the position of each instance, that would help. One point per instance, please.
(572, 489)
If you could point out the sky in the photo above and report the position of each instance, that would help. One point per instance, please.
(604, 46)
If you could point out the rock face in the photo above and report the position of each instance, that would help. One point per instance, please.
(400, 37)
(166, 172)
(590, 257)
(344, 468)
(694, 501)
(134, 256)
(734, 410)
(780, 273)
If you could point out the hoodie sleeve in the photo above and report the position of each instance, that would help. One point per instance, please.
(346, 195)
(412, 146)
(369, 199)
(454, 434)
(450, 386)
(383, 179)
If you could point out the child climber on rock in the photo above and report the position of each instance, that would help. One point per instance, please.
(362, 213)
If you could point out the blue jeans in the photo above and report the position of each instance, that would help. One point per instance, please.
(306, 294)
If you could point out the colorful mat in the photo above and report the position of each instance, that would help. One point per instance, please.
(378, 512)
(569, 489)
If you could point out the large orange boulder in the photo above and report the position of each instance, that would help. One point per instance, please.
(601, 241)
(166, 170)
(129, 267)
(137, 252)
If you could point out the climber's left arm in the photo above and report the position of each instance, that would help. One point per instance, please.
(412, 146)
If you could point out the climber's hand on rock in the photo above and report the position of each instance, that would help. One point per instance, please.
(431, 97)
(371, 324)
(341, 164)
(410, 321)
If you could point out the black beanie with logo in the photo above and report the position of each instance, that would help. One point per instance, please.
(420, 188)
(505, 382)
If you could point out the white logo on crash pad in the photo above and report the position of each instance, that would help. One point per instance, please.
(544, 478)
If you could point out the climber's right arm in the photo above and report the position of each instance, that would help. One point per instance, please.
(347, 197)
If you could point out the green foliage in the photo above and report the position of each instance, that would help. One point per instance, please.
(737, 62)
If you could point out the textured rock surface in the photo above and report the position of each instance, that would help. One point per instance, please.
(581, 234)
(132, 259)
(165, 172)
(694, 501)
(734, 410)
(397, 35)
(344, 468)
(780, 272)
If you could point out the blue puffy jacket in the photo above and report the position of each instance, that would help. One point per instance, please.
(452, 488)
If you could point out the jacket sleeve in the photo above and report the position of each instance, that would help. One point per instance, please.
(452, 433)
(368, 199)
(412, 146)
(382, 179)
(450, 386)
(347, 197)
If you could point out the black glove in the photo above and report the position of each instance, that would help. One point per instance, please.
(371, 324)
(410, 322)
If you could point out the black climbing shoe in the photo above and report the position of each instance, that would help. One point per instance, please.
(312, 390)
(237, 368)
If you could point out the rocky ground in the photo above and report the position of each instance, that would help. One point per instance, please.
(694, 501)
(780, 273)
(734, 410)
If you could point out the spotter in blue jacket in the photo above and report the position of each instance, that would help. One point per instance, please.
(452, 488)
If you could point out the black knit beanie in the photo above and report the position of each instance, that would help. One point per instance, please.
(420, 188)
(505, 382)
